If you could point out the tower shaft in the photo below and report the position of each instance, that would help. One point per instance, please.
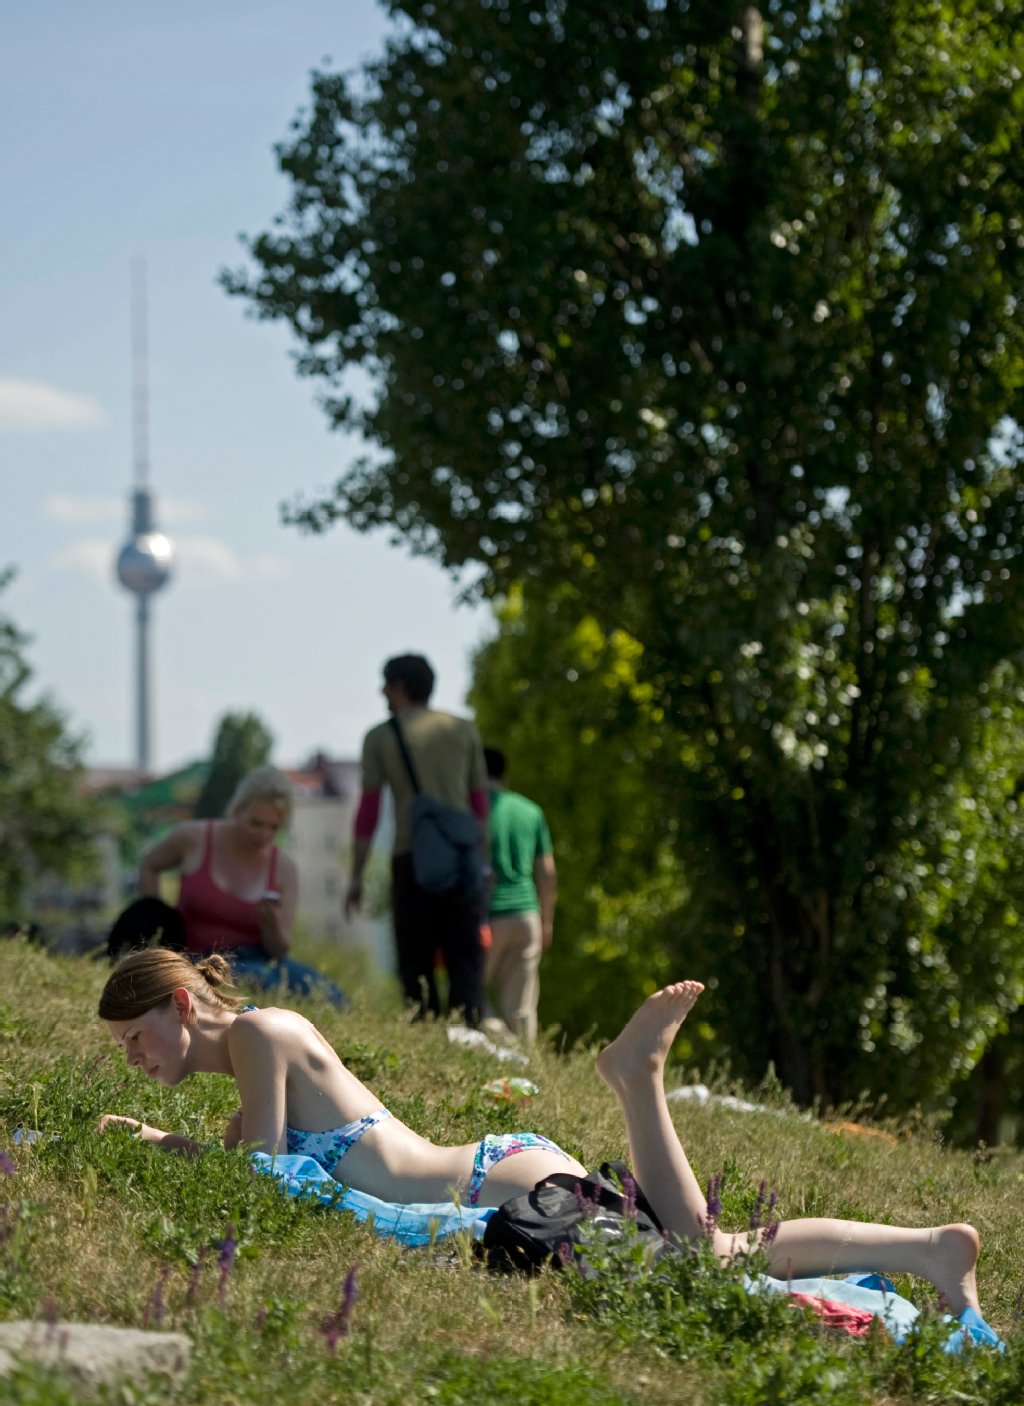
(142, 747)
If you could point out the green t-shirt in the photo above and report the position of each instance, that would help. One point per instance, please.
(519, 833)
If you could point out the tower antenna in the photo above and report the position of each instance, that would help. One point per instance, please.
(140, 375)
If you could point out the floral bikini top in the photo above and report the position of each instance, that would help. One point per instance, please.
(329, 1147)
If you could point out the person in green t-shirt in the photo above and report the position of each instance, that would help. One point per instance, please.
(522, 909)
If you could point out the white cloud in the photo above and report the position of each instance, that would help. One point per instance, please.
(88, 557)
(210, 559)
(30, 405)
(115, 512)
(196, 559)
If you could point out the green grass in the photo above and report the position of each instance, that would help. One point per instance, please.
(109, 1229)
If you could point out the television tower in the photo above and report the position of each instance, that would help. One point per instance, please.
(144, 562)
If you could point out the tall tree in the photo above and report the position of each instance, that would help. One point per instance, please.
(241, 744)
(712, 311)
(46, 825)
(562, 699)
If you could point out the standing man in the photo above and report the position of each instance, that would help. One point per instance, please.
(448, 759)
(522, 900)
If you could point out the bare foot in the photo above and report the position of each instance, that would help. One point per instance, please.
(954, 1254)
(642, 1047)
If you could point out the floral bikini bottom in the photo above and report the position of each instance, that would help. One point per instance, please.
(495, 1147)
(330, 1146)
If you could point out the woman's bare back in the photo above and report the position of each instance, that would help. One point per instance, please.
(391, 1160)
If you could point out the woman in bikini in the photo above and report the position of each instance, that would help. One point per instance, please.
(174, 1019)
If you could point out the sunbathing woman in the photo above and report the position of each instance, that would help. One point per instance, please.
(174, 1019)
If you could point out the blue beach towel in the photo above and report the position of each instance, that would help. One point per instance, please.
(413, 1225)
(424, 1223)
(873, 1293)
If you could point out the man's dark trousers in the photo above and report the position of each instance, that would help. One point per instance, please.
(427, 923)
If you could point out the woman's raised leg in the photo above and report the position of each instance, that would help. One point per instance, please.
(633, 1066)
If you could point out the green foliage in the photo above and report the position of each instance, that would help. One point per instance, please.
(46, 826)
(241, 745)
(582, 735)
(591, 741)
(712, 312)
(691, 1304)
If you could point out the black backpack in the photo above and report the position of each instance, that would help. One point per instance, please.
(552, 1223)
(143, 922)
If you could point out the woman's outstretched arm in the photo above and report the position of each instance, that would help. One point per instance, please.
(167, 1142)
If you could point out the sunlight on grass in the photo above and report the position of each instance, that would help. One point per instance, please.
(286, 1301)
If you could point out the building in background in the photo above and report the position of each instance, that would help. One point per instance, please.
(319, 840)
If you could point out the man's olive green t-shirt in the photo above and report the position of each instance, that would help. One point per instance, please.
(446, 752)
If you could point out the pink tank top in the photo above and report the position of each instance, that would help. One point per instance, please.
(215, 920)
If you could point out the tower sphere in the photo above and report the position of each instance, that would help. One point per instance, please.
(144, 563)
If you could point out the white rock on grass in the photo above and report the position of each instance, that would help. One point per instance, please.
(94, 1354)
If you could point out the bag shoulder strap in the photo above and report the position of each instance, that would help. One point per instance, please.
(406, 757)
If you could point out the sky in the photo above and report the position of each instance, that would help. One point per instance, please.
(142, 131)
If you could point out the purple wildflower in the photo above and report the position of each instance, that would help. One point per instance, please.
(757, 1214)
(336, 1325)
(629, 1195)
(6, 1165)
(50, 1315)
(194, 1278)
(154, 1312)
(564, 1253)
(771, 1221)
(584, 1203)
(714, 1204)
(226, 1261)
(348, 1297)
(261, 1318)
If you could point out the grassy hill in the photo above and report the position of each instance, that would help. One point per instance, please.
(111, 1230)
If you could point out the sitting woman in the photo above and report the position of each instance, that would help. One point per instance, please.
(239, 892)
(173, 1019)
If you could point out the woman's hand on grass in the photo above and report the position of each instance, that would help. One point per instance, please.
(140, 1130)
(233, 1130)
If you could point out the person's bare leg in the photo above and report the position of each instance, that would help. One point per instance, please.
(633, 1066)
(945, 1254)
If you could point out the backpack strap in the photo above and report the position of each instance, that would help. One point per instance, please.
(406, 757)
